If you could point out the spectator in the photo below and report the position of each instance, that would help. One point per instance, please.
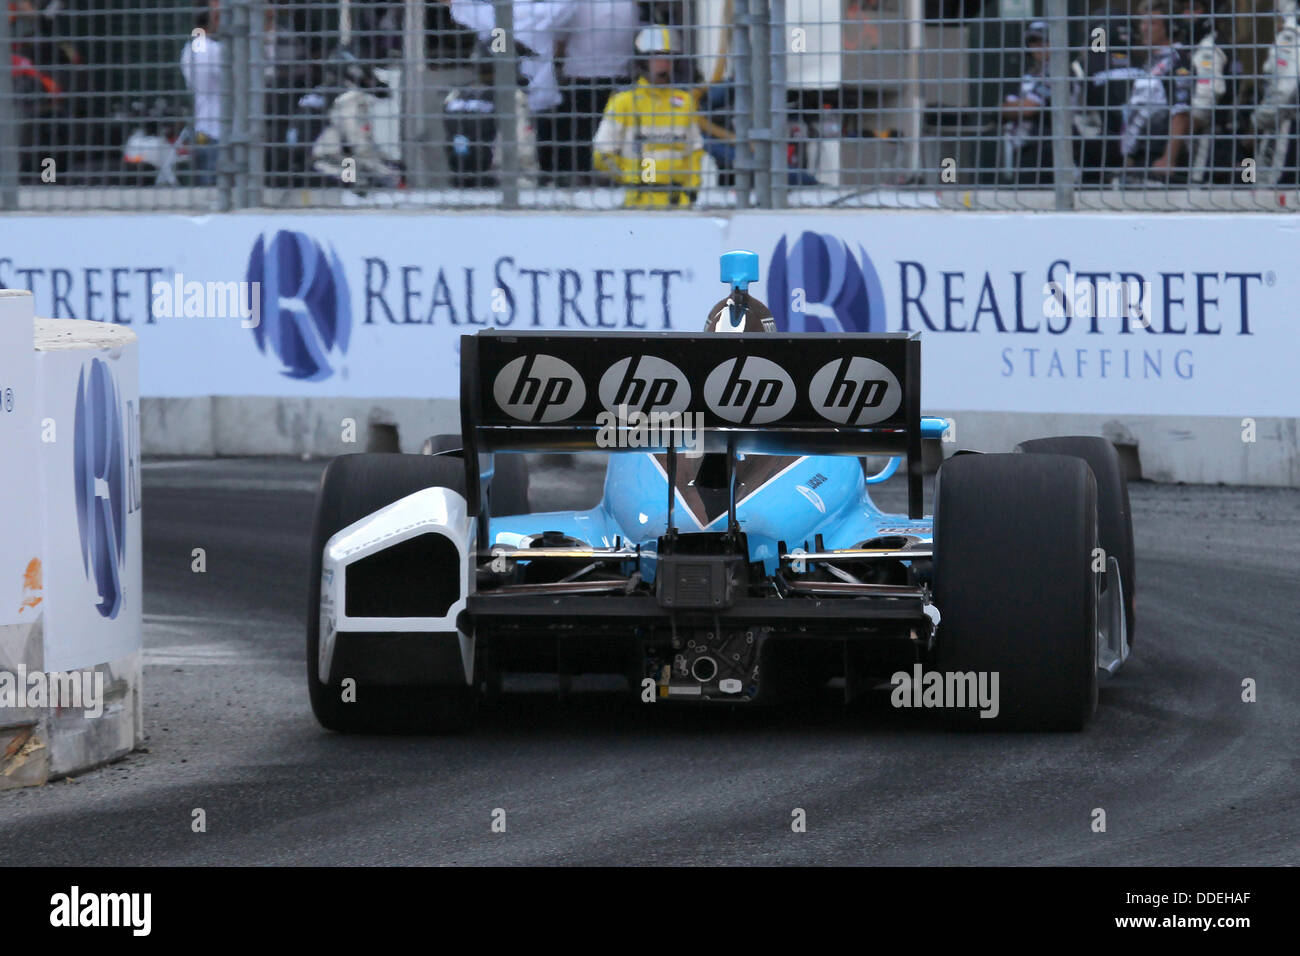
(1157, 116)
(1208, 59)
(537, 24)
(1109, 72)
(649, 138)
(1026, 127)
(288, 74)
(1276, 117)
(1211, 114)
(469, 121)
(597, 59)
(201, 67)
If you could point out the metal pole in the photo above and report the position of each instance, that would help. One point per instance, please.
(8, 122)
(1058, 31)
(915, 96)
(225, 145)
(762, 80)
(257, 102)
(744, 104)
(505, 69)
(241, 90)
(414, 114)
(779, 45)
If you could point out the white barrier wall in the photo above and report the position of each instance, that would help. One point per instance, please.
(70, 567)
(23, 756)
(266, 334)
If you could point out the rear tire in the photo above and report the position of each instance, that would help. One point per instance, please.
(352, 487)
(1115, 536)
(1014, 584)
(509, 492)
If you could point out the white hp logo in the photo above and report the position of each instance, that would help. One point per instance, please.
(539, 389)
(645, 384)
(855, 391)
(749, 391)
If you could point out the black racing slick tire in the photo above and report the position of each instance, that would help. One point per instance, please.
(509, 491)
(1116, 518)
(352, 487)
(1014, 585)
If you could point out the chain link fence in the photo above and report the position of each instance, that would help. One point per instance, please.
(610, 104)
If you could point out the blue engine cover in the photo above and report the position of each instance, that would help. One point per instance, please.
(778, 498)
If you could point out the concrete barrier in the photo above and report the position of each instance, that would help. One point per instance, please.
(70, 563)
(1196, 450)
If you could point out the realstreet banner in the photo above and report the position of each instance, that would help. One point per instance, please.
(1106, 314)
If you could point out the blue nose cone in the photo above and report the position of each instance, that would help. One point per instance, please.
(740, 268)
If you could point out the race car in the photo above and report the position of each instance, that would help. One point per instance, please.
(736, 556)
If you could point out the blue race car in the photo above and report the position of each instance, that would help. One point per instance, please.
(736, 555)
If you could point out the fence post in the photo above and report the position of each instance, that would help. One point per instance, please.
(414, 115)
(504, 84)
(8, 123)
(257, 104)
(742, 68)
(779, 49)
(762, 80)
(915, 93)
(231, 63)
(1058, 31)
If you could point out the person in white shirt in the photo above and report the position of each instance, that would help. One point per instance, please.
(201, 67)
(536, 24)
(597, 54)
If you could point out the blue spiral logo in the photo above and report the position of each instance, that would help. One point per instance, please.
(100, 479)
(306, 310)
(818, 284)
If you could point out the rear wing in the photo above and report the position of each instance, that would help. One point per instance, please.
(764, 393)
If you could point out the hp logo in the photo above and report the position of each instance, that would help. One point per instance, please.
(855, 391)
(820, 284)
(99, 458)
(645, 384)
(539, 389)
(749, 391)
(305, 306)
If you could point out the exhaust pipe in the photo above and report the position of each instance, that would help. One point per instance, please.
(704, 669)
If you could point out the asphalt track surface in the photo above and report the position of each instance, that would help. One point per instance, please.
(1186, 772)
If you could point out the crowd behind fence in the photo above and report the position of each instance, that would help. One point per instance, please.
(608, 104)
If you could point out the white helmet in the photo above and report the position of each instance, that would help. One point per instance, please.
(652, 40)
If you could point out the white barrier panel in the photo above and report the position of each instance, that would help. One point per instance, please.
(20, 529)
(90, 479)
(1174, 329)
(24, 756)
(1157, 315)
(70, 645)
(1082, 314)
(368, 305)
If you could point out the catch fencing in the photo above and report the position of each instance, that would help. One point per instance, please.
(506, 104)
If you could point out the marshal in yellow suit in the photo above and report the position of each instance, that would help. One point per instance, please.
(649, 141)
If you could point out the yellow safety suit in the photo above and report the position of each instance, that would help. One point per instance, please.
(649, 140)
